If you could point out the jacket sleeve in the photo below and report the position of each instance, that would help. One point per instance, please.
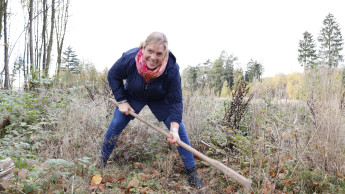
(175, 95)
(116, 75)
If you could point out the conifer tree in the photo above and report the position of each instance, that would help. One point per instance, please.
(71, 62)
(254, 71)
(331, 42)
(307, 53)
(217, 75)
(229, 70)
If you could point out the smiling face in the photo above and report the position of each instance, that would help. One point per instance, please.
(153, 55)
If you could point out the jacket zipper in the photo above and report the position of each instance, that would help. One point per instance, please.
(146, 93)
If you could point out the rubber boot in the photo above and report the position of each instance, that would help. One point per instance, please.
(102, 163)
(193, 179)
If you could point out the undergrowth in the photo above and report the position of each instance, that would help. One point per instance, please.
(283, 146)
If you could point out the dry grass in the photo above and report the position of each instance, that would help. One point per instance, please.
(300, 134)
(327, 143)
(80, 129)
(285, 136)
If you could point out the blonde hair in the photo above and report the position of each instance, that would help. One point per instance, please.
(156, 38)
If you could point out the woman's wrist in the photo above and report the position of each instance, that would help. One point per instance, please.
(122, 101)
(174, 129)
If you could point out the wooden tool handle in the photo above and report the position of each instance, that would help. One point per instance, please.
(220, 166)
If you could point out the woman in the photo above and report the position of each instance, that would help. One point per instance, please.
(152, 78)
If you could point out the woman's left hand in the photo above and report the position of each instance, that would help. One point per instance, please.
(174, 137)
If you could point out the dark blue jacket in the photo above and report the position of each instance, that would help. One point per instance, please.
(163, 94)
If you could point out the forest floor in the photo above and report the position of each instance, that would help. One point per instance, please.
(55, 136)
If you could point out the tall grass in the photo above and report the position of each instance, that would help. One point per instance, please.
(297, 135)
(327, 143)
(80, 127)
(285, 140)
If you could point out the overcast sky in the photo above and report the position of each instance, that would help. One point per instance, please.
(264, 30)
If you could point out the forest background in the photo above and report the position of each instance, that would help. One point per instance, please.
(285, 133)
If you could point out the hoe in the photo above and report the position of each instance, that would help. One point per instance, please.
(246, 183)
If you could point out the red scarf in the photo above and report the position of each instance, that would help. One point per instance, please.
(147, 73)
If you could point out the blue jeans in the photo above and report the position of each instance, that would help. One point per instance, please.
(120, 121)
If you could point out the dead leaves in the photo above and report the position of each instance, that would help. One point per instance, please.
(286, 182)
(5, 185)
(120, 180)
(99, 183)
(339, 174)
(314, 185)
(22, 173)
(133, 183)
(155, 164)
(138, 165)
(273, 174)
(109, 178)
(15, 170)
(96, 179)
(146, 189)
(155, 173)
(96, 183)
(229, 189)
(268, 188)
(146, 176)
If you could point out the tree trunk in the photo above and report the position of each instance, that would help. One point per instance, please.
(31, 44)
(2, 5)
(24, 60)
(7, 72)
(50, 44)
(28, 65)
(37, 52)
(59, 59)
(61, 31)
(44, 30)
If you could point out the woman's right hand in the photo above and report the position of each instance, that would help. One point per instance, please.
(125, 108)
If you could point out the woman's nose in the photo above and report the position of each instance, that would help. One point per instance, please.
(153, 56)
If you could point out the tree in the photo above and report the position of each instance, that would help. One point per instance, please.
(229, 70)
(47, 48)
(238, 77)
(217, 75)
(61, 26)
(279, 84)
(254, 71)
(70, 61)
(294, 85)
(204, 71)
(18, 66)
(43, 34)
(222, 70)
(226, 92)
(331, 42)
(190, 78)
(89, 71)
(4, 4)
(31, 44)
(307, 53)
